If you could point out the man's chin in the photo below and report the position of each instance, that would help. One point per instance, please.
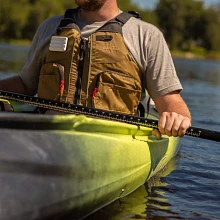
(90, 9)
(94, 5)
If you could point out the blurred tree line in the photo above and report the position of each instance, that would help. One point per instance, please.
(186, 24)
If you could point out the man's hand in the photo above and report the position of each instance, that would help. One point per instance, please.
(175, 117)
(172, 124)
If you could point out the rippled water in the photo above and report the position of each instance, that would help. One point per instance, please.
(189, 186)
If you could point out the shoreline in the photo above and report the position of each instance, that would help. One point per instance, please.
(210, 55)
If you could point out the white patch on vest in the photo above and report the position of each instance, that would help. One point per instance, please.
(58, 43)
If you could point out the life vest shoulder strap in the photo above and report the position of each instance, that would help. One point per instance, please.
(70, 12)
(125, 16)
(69, 19)
(113, 25)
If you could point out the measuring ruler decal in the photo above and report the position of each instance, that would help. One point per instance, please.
(78, 109)
(99, 113)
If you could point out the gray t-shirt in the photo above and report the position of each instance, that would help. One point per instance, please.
(145, 42)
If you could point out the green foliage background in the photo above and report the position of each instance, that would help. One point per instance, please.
(187, 24)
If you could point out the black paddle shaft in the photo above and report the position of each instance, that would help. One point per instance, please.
(204, 133)
(99, 113)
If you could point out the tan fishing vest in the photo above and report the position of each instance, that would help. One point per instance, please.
(96, 72)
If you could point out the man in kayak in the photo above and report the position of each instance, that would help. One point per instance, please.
(109, 59)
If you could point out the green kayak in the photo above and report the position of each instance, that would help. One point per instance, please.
(73, 165)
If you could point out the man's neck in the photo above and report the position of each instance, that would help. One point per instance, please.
(108, 11)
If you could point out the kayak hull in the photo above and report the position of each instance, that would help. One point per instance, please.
(54, 165)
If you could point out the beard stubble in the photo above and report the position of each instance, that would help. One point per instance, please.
(90, 5)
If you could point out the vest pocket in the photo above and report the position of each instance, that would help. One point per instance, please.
(116, 91)
(51, 81)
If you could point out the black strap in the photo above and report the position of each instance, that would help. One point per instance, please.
(141, 110)
(69, 12)
(115, 24)
(2, 106)
(68, 18)
(125, 16)
(135, 14)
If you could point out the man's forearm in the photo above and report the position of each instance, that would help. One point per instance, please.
(178, 107)
(173, 103)
(16, 85)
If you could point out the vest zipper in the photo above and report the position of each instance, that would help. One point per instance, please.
(80, 72)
